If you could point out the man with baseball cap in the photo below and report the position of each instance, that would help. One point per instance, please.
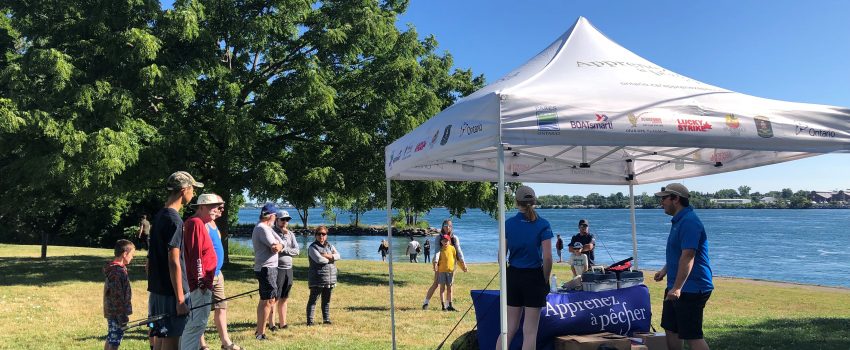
(266, 244)
(167, 281)
(588, 242)
(200, 261)
(688, 271)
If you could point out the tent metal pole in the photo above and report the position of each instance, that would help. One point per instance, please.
(503, 283)
(634, 225)
(390, 253)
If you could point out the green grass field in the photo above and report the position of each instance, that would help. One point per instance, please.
(57, 304)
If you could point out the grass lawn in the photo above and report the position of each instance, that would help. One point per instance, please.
(57, 304)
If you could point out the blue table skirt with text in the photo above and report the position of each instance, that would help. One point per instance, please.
(620, 311)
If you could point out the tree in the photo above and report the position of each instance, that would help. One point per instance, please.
(744, 190)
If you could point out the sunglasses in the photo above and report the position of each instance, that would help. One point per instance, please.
(284, 219)
(220, 207)
(582, 225)
(322, 234)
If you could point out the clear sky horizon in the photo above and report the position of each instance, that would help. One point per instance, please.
(786, 50)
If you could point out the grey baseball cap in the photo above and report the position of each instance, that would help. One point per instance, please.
(674, 188)
(525, 195)
(180, 180)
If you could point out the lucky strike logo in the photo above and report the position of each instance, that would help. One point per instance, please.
(420, 146)
(693, 125)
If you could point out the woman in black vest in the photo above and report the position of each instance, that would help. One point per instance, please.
(321, 277)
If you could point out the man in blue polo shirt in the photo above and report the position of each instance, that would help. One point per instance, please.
(688, 271)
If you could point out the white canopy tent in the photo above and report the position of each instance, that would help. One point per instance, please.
(588, 111)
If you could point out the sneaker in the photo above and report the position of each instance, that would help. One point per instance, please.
(444, 308)
(424, 306)
(450, 308)
(272, 328)
(309, 323)
(260, 336)
(327, 322)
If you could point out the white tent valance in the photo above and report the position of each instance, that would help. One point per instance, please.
(586, 110)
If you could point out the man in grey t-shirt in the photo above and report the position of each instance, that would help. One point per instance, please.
(266, 246)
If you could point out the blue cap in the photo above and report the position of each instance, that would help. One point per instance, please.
(268, 209)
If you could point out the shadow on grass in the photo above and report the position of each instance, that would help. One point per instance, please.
(380, 308)
(79, 268)
(805, 333)
(241, 269)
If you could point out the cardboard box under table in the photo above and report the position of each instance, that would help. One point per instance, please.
(652, 341)
(592, 342)
(620, 311)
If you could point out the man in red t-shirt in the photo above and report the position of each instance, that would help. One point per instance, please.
(201, 261)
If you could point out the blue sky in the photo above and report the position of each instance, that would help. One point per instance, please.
(787, 50)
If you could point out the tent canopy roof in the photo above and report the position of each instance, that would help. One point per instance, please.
(587, 110)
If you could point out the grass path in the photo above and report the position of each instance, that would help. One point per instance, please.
(57, 304)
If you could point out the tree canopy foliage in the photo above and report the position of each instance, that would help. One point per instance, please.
(280, 99)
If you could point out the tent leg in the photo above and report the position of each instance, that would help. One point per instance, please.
(634, 226)
(390, 253)
(503, 289)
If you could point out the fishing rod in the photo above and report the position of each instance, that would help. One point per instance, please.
(467, 311)
(154, 318)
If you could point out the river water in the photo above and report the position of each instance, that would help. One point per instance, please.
(806, 245)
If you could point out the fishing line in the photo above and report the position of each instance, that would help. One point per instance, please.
(467, 311)
(606, 248)
(142, 322)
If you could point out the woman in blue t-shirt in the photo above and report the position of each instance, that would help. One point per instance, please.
(529, 243)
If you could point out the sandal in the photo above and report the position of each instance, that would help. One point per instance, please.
(232, 346)
(204, 347)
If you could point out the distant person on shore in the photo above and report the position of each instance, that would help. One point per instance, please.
(529, 242)
(201, 262)
(413, 250)
(586, 239)
(284, 269)
(427, 250)
(321, 276)
(167, 281)
(384, 248)
(117, 294)
(219, 308)
(144, 232)
(579, 265)
(445, 230)
(559, 246)
(688, 271)
(266, 245)
(444, 266)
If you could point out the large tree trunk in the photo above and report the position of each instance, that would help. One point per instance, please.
(357, 219)
(303, 214)
(44, 237)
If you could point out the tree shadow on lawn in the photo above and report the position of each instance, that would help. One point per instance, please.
(242, 271)
(804, 333)
(76, 268)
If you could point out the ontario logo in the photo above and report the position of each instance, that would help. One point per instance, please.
(693, 125)
(599, 122)
(468, 129)
(547, 120)
(803, 128)
(733, 125)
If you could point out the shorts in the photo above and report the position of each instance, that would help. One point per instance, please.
(526, 287)
(171, 326)
(218, 292)
(284, 282)
(684, 316)
(268, 282)
(114, 333)
(445, 278)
